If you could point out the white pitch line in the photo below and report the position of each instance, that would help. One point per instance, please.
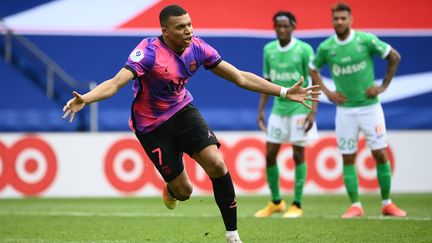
(180, 215)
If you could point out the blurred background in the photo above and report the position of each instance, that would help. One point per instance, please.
(50, 48)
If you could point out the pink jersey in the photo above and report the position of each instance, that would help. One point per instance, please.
(160, 79)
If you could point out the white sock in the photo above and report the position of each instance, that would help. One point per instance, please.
(232, 233)
(357, 204)
(385, 202)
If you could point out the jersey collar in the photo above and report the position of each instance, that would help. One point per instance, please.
(287, 47)
(347, 40)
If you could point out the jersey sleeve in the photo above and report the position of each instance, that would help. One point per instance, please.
(377, 46)
(209, 57)
(141, 59)
(319, 60)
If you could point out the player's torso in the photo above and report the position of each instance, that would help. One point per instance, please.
(285, 67)
(352, 69)
(170, 72)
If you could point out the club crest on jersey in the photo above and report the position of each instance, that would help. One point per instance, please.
(193, 66)
(137, 55)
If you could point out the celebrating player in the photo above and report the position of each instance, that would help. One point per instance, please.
(163, 118)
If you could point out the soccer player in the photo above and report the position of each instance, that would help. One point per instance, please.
(285, 61)
(349, 56)
(162, 116)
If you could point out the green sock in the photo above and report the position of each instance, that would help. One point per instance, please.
(351, 182)
(300, 178)
(384, 179)
(273, 181)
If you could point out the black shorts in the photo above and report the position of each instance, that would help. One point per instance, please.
(185, 132)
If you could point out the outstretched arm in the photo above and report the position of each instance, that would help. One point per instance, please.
(103, 91)
(393, 59)
(255, 83)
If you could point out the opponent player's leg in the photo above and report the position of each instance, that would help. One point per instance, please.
(272, 175)
(277, 133)
(295, 210)
(373, 126)
(299, 139)
(210, 159)
(347, 131)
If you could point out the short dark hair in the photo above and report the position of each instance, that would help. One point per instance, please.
(289, 15)
(340, 6)
(168, 11)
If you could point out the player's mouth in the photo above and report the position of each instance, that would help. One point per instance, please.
(188, 40)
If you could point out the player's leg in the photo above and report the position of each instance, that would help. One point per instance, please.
(299, 139)
(347, 131)
(373, 126)
(277, 133)
(194, 137)
(210, 159)
(272, 175)
(168, 160)
(295, 210)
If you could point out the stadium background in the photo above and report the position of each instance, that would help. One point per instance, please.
(91, 41)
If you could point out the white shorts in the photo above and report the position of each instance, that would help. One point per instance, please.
(289, 129)
(367, 119)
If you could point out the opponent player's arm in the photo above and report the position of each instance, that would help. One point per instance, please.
(255, 83)
(103, 91)
(393, 59)
(333, 96)
(317, 80)
(261, 106)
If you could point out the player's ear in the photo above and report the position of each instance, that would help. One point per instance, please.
(164, 31)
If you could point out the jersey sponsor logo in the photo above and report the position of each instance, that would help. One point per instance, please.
(283, 76)
(348, 69)
(137, 55)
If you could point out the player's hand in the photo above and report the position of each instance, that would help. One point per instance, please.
(336, 97)
(310, 119)
(73, 106)
(298, 94)
(261, 122)
(372, 92)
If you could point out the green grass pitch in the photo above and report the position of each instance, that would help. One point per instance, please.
(197, 220)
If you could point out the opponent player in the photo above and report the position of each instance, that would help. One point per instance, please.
(162, 116)
(285, 61)
(349, 56)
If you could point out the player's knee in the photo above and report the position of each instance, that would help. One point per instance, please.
(270, 159)
(217, 169)
(184, 193)
(380, 156)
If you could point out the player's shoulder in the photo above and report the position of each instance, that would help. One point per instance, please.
(271, 45)
(364, 36)
(303, 44)
(329, 41)
(198, 40)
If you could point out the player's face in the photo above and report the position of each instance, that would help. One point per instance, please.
(178, 32)
(283, 29)
(342, 22)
